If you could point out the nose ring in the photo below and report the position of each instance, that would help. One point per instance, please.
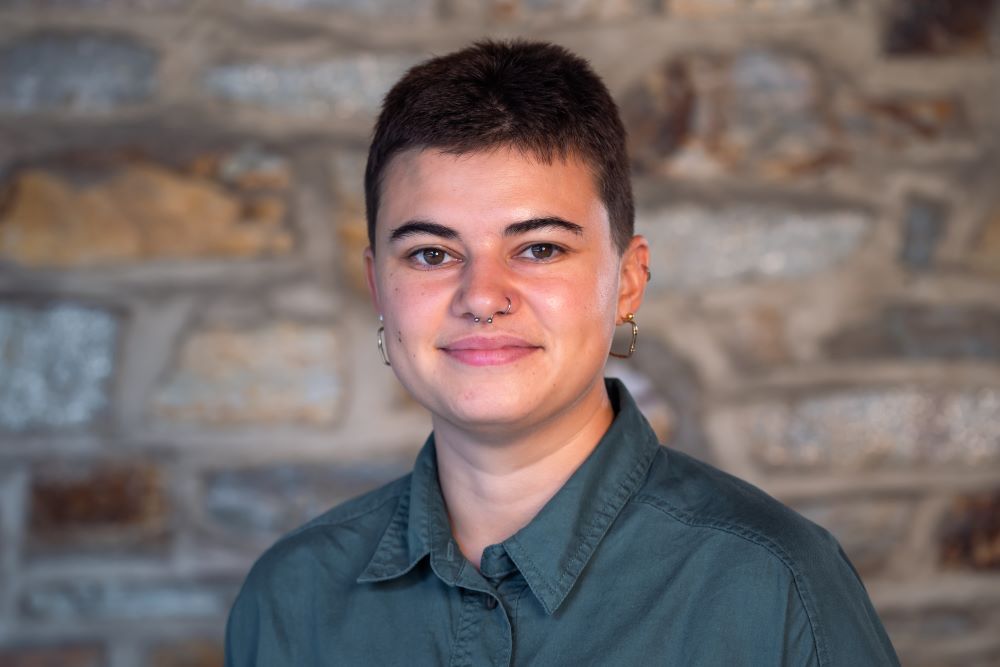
(489, 320)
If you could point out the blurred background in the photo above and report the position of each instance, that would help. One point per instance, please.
(188, 365)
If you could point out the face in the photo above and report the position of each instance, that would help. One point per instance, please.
(498, 234)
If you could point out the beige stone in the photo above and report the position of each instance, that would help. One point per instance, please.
(140, 212)
(986, 253)
(283, 373)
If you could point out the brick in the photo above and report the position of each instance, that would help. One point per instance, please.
(79, 599)
(867, 429)
(869, 530)
(924, 224)
(332, 89)
(556, 10)
(53, 656)
(696, 246)
(279, 373)
(266, 501)
(970, 532)
(383, 10)
(191, 653)
(84, 507)
(712, 9)
(57, 365)
(85, 212)
(931, 27)
(922, 332)
(755, 337)
(80, 73)
(84, 5)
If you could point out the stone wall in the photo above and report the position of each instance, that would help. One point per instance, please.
(187, 357)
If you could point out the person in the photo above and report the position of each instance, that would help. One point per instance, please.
(542, 524)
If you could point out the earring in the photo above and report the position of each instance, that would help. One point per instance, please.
(629, 319)
(381, 343)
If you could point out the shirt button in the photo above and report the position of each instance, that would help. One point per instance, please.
(491, 602)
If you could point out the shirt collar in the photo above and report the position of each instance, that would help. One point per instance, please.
(552, 550)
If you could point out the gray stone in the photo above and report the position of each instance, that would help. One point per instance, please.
(696, 246)
(870, 428)
(923, 226)
(75, 600)
(380, 9)
(922, 332)
(83, 73)
(55, 365)
(341, 88)
(268, 501)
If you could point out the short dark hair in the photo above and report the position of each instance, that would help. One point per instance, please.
(532, 96)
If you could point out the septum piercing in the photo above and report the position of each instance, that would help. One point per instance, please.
(489, 320)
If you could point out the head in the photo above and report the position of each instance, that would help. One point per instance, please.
(536, 98)
(500, 217)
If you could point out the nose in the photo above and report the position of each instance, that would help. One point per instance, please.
(485, 291)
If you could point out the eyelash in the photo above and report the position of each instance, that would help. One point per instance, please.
(416, 255)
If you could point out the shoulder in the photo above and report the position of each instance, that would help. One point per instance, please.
(746, 525)
(697, 494)
(340, 541)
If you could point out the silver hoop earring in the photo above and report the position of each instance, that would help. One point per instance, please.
(628, 319)
(381, 346)
(490, 320)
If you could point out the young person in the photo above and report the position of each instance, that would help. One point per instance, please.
(542, 523)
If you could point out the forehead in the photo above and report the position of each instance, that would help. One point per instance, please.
(488, 187)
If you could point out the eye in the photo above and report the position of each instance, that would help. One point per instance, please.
(541, 251)
(431, 257)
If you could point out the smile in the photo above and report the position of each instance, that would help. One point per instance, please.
(489, 350)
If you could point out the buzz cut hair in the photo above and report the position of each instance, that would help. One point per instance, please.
(534, 97)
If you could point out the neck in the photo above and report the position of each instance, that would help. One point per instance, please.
(494, 486)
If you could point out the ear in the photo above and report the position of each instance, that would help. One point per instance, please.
(634, 276)
(370, 278)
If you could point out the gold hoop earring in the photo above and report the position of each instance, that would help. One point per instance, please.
(629, 319)
(381, 346)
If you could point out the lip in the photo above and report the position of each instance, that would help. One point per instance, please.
(489, 350)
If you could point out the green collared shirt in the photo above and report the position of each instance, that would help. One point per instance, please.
(644, 557)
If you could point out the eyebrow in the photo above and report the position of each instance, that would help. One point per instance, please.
(415, 227)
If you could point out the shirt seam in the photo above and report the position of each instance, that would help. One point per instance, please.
(769, 545)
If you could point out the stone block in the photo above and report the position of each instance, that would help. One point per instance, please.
(332, 89)
(871, 428)
(84, 5)
(869, 530)
(922, 332)
(77, 507)
(79, 73)
(697, 246)
(191, 653)
(932, 27)
(771, 114)
(103, 210)
(923, 226)
(350, 222)
(78, 599)
(970, 532)
(985, 253)
(53, 656)
(382, 10)
(556, 10)
(714, 9)
(282, 373)
(56, 365)
(267, 501)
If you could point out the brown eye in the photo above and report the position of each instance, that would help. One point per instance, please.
(432, 256)
(542, 250)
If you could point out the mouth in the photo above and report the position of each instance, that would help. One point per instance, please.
(489, 350)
